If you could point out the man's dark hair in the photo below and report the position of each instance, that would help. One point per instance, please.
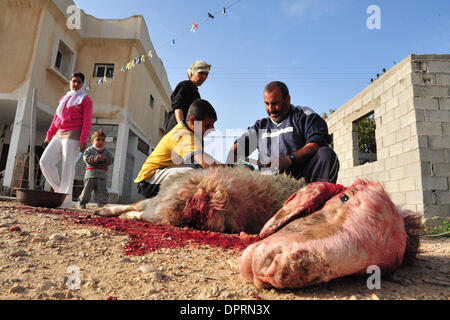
(79, 75)
(278, 84)
(201, 110)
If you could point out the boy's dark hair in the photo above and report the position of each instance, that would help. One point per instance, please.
(201, 110)
(278, 84)
(79, 75)
(98, 133)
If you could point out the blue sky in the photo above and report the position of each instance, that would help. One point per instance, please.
(322, 49)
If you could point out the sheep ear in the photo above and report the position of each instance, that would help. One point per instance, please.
(306, 201)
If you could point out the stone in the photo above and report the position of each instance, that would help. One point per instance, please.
(38, 240)
(157, 276)
(84, 233)
(51, 244)
(18, 253)
(59, 295)
(147, 268)
(57, 237)
(226, 294)
(17, 289)
(46, 285)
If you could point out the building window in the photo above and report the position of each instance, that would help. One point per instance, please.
(64, 59)
(143, 147)
(152, 101)
(364, 141)
(59, 60)
(102, 70)
(164, 118)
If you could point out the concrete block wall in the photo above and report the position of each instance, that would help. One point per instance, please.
(412, 133)
(431, 87)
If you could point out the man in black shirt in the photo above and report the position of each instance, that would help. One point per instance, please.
(289, 140)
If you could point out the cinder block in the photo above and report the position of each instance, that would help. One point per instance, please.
(435, 91)
(387, 117)
(438, 66)
(393, 103)
(383, 153)
(429, 129)
(378, 166)
(409, 157)
(426, 169)
(395, 149)
(390, 82)
(403, 133)
(444, 103)
(443, 79)
(406, 94)
(403, 108)
(443, 197)
(402, 84)
(414, 197)
(391, 163)
(391, 186)
(434, 183)
(426, 103)
(389, 140)
(436, 210)
(408, 119)
(412, 143)
(377, 91)
(429, 197)
(446, 129)
(437, 115)
(398, 198)
(417, 78)
(407, 184)
(411, 207)
(439, 142)
(397, 173)
(393, 126)
(433, 156)
(386, 95)
(441, 169)
(423, 141)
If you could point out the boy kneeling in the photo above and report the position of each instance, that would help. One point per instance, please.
(179, 150)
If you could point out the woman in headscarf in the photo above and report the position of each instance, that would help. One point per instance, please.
(186, 93)
(67, 135)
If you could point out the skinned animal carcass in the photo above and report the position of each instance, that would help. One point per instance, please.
(326, 231)
(227, 200)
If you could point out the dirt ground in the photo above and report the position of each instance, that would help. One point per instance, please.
(43, 255)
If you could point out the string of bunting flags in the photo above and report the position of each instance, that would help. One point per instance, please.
(141, 59)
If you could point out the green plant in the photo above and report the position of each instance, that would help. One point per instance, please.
(444, 227)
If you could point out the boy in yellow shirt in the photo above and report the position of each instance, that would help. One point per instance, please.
(180, 150)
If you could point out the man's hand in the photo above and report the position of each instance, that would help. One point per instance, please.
(83, 147)
(279, 164)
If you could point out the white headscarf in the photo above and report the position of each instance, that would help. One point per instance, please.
(198, 66)
(75, 98)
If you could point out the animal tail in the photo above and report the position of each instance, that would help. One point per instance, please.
(413, 228)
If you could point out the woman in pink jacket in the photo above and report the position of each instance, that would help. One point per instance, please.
(68, 134)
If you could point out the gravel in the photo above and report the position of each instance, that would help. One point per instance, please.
(51, 251)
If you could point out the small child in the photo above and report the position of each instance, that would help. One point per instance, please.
(97, 160)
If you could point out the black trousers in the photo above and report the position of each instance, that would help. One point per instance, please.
(322, 167)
